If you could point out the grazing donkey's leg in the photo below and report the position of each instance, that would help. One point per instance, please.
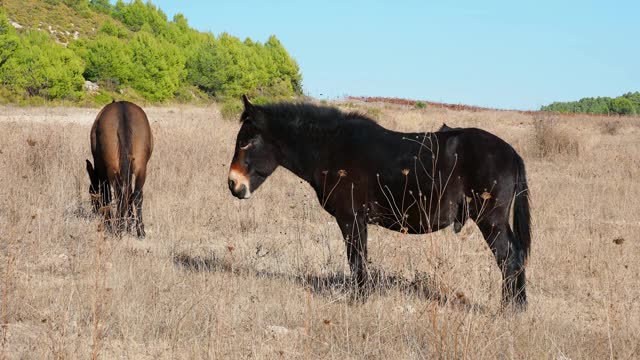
(123, 195)
(354, 232)
(510, 259)
(105, 205)
(137, 203)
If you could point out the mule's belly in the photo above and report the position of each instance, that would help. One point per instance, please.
(411, 221)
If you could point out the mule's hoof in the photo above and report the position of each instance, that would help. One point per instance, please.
(360, 294)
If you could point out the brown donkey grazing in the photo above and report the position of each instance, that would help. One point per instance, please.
(121, 144)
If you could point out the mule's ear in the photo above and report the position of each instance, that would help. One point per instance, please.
(248, 106)
(255, 113)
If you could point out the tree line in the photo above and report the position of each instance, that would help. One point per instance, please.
(627, 104)
(138, 52)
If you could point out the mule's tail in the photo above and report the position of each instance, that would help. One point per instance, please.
(521, 212)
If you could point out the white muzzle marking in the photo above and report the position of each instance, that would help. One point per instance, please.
(240, 179)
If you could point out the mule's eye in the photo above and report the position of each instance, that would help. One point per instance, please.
(245, 147)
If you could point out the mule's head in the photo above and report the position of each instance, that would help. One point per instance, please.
(256, 155)
(94, 187)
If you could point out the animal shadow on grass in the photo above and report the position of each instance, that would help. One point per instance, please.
(423, 286)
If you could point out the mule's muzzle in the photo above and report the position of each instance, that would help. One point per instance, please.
(239, 185)
(239, 191)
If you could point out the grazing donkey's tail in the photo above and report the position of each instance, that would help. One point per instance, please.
(124, 152)
(124, 147)
(521, 213)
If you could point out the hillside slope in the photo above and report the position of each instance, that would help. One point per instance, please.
(62, 21)
(132, 51)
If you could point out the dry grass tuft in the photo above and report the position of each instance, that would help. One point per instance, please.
(551, 141)
(611, 127)
(268, 278)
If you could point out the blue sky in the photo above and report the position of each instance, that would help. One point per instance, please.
(505, 54)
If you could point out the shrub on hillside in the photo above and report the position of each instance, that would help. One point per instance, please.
(39, 67)
(103, 6)
(158, 67)
(627, 104)
(111, 28)
(622, 106)
(107, 60)
(634, 98)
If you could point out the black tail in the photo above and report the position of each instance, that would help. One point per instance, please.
(521, 213)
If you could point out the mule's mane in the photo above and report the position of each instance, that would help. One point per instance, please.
(310, 116)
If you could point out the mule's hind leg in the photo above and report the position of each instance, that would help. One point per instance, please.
(461, 216)
(354, 232)
(510, 259)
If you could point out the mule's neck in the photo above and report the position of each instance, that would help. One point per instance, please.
(300, 158)
(301, 151)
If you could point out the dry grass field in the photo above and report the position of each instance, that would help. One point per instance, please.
(264, 278)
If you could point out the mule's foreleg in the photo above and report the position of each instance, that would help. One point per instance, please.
(354, 232)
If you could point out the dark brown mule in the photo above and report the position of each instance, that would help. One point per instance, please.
(415, 183)
(121, 144)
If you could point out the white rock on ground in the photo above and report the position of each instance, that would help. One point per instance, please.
(91, 86)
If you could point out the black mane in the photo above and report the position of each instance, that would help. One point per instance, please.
(305, 116)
